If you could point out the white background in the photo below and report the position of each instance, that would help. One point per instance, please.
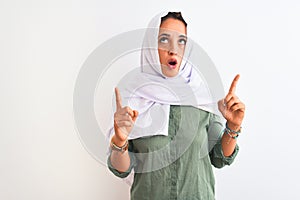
(43, 45)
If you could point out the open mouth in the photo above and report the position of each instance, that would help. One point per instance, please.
(172, 63)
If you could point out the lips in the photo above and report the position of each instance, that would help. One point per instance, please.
(172, 63)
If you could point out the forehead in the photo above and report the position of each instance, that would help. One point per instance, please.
(175, 25)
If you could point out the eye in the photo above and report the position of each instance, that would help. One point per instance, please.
(182, 41)
(164, 40)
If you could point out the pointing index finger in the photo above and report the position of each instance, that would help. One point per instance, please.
(234, 83)
(118, 99)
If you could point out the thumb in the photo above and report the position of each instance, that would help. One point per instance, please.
(135, 115)
(221, 105)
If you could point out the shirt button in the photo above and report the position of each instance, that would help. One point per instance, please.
(173, 183)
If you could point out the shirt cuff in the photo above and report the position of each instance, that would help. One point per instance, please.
(118, 173)
(228, 160)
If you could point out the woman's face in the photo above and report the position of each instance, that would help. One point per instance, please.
(171, 44)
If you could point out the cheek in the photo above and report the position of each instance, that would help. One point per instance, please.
(162, 55)
(181, 51)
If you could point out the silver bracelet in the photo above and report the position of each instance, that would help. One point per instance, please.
(120, 149)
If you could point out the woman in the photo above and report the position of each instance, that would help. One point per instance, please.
(172, 156)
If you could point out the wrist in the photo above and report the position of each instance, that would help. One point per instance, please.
(119, 146)
(118, 141)
(232, 133)
(232, 126)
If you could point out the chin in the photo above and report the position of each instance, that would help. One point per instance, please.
(170, 74)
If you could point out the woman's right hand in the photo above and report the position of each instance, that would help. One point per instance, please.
(124, 119)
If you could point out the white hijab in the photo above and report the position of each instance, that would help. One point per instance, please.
(151, 93)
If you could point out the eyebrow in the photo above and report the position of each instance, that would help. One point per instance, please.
(183, 36)
(168, 35)
(164, 34)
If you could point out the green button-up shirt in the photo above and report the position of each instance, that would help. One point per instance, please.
(178, 166)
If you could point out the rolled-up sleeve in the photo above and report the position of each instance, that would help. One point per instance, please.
(131, 166)
(215, 133)
(217, 157)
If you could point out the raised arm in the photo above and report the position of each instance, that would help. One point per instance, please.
(124, 119)
(233, 110)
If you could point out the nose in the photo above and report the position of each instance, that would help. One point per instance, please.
(172, 49)
(172, 52)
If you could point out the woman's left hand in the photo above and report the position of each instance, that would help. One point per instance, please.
(232, 108)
